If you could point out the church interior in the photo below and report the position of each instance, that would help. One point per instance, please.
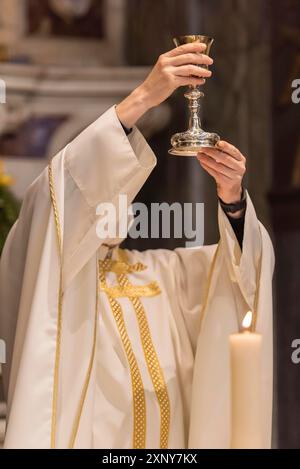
(64, 62)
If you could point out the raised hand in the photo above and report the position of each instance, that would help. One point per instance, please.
(178, 67)
(226, 164)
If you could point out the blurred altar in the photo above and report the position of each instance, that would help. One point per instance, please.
(63, 62)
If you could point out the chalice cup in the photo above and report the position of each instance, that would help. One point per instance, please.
(190, 142)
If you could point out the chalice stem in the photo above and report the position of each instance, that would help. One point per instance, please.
(194, 107)
(193, 96)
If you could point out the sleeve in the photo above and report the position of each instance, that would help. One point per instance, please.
(195, 267)
(241, 281)
(101, 164)
(244, 266)
(126, 130)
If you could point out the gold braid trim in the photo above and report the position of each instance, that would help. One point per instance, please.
(121, 267)
(138, 393)
(150, 354)
(88, 373)
(208, 288)
(59, 332)
(59, 309)
(152, 361)
(256, 298)
(152, 289)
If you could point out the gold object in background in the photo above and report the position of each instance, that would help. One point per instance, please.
(5, 179)
(190, 142)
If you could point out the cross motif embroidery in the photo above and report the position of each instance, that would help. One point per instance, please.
(134, 292)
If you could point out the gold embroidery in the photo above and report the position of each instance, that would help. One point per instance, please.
(139, 401)
(88, 374)
(59, 309)
(152, 289)
(153, 365)
(256, 297)
(59, 332)
(155, 371)
(121, 267)
(134, 292)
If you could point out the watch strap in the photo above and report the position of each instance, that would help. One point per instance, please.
(235, 207)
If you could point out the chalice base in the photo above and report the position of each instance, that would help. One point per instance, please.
(189, 143)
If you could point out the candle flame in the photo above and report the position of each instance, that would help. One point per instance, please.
(247, 321)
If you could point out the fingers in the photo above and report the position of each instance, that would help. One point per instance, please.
(223, 158)
(182, 62)
(186, 48)
(191, 58)
(219, 168)
(227, 168)
(191, 70)
(230, 149)
(210, 171)
(189, 81)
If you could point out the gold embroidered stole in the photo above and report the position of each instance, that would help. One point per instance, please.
(134, 293)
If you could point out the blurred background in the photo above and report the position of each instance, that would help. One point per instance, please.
(64, 62)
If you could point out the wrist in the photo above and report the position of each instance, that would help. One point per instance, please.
(133, 107)
(235, 209)
(143, 97)
(231, 197)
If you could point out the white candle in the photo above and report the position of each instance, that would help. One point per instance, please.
(246, 387)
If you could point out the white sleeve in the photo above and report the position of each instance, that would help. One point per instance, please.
(101, 163)
(241, 267)
(244, 266)
(233, 288)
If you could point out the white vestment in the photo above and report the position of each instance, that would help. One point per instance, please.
(129, 366)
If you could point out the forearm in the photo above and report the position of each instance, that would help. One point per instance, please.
(133, 107)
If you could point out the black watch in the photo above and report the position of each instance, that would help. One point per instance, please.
(237, 206)
(126, 130)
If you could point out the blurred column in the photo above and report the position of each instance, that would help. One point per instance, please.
(115, 14)
(237, 98)
(202, 188)
(285, 202)
(151, 26)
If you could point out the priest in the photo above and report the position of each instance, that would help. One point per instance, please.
(110, 348)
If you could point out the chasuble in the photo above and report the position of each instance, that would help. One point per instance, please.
(110, 348)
